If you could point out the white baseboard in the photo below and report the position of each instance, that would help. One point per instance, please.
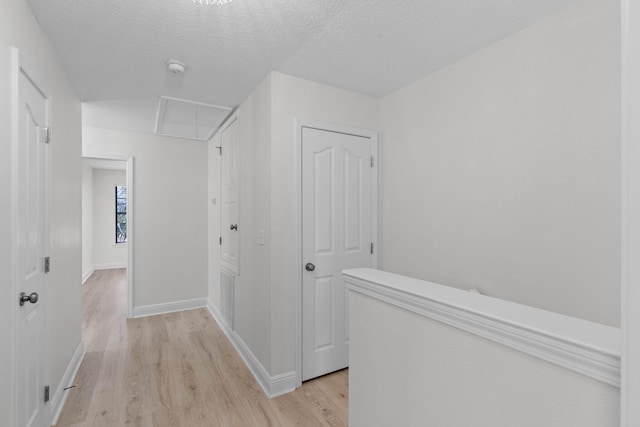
(169, 307)
(110, 265)
(60, 396)
(272, 386)
(107, 266)
(88, 274)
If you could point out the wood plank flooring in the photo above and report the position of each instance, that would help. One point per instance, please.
(178, 369)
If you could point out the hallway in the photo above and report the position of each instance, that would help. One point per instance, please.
(178, 369)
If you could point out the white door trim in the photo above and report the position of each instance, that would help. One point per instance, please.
(630, 233)
(130, 221)
(19, 64)
(299, 124)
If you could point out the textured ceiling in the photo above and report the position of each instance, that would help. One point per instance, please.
(116, 50)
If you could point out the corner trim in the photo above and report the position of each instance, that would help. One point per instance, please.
(60, 396)
(584, 347)
(169, 307)
(272, 386)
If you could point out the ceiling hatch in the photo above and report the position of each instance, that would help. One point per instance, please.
(189, 119)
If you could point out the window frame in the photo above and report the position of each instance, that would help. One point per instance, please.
(125, 213)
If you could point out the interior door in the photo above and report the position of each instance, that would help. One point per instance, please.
(30, 187)
(336, 235)
(230, 195)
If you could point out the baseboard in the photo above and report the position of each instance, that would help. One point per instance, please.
(88, 274)
(272, 386)
(110, 265)
(169, 307)
(60, 396)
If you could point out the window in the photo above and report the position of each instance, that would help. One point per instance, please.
(121, 214)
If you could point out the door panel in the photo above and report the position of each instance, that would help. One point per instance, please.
(323, 218)
(336, 235)
(30, 187)
(230, 179)
(323, 312)
(352, 202)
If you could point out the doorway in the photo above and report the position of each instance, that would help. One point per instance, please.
(107, 218)
(338, 231)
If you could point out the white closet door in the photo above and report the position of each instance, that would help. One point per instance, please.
(336, 235)
(230, 179)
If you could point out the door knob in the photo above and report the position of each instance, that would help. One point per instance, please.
(310, 266)
(234, 227)
(33, 298)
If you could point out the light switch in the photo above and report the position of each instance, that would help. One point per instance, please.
(261, 237)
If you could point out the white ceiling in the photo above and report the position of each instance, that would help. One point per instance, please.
(116, 50)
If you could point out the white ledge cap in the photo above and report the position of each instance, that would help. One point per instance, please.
(590, 348)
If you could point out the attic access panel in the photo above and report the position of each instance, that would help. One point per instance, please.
(182, 118)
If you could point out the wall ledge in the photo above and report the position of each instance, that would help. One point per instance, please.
(589, 348)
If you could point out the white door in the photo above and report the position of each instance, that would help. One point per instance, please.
(336, 235)
(230, 179)
(30, 187)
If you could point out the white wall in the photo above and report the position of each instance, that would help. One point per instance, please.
(252, 286)
(19, 28)
(170, 190)
(296, 98)
(408, 370)
(265, 292)
(105, 252)
(252, 311)
(87, 220)
(501, 172)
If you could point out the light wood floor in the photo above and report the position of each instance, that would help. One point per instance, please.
(178, 369)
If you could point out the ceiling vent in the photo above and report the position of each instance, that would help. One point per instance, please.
(181, 118)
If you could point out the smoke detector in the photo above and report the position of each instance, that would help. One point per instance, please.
(176, 67)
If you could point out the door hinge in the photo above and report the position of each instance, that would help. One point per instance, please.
(372, 247)
(47, 264)
(371, 161)
(219, 240)
(47, 135)
(46, 394)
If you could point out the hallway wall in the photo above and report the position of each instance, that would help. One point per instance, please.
(266, 289)
(105, 251)
(87, 221)
(293, 98)
(170, 228)
(502, 171)
(19, 28)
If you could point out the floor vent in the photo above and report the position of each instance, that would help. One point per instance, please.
(226, 297)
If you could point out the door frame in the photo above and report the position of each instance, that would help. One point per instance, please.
(630, 210)
(20, 65)
(130, 221)
(299, 124)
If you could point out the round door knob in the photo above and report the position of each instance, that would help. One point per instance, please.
(310, 267)
(33, 298)
(234, 226)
